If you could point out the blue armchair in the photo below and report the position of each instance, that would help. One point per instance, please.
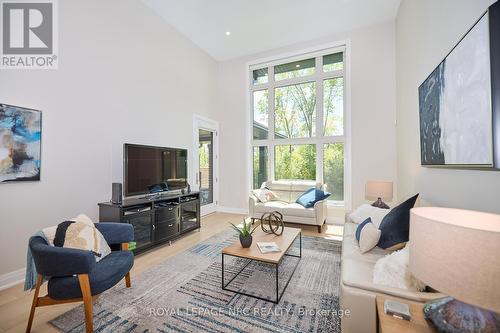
(74, 275)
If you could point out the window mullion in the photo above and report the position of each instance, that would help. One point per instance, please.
(332, 74)
(271, 103)
(302, 79)
(262, 86)
(271, 161)
(295, 80)
(319, 119)
(271, 115)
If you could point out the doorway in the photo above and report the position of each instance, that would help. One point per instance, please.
(206, 163)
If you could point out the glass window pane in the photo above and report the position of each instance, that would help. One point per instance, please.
(260, 76)
(294, 69)
(260, 115)
(259, 166)
(295, 162)
(206, 158)
(333, 106)
(333, 62)
(295, 111)
(333, 170)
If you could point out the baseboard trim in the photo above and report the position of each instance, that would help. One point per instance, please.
(12, 278)
(334, 220)
(232, 210)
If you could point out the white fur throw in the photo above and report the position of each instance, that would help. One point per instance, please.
(392, 271)
(368, 211)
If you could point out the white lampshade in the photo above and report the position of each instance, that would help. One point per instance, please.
(457, 252)
(379, 189)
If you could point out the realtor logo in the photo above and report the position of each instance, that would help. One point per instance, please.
(29, 34)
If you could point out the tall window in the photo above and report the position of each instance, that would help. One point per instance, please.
(298, 121)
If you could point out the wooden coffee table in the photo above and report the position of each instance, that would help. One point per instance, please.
(253, 253)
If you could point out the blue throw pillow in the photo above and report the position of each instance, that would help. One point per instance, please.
(311, 196)
(361, 226)
(395, 226)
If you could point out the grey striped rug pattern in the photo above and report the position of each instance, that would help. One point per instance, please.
(184, 294)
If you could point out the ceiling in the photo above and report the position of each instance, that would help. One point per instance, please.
(261, 25)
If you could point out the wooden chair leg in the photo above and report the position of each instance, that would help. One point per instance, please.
(319, 228)
(87, 301)
(35, 302)
(127, 277)
(127, 280)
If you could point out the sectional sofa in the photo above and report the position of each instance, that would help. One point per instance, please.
(358, 292)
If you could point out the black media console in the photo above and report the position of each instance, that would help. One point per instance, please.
(155, 220)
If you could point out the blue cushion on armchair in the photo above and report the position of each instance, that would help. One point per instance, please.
(116, 233)
(311, 196)
(106, 273)
(59, 261)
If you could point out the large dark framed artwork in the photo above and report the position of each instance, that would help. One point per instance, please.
(458, 103)
(20, 143)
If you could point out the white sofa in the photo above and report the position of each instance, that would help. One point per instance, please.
(358, 292)
(288, 192)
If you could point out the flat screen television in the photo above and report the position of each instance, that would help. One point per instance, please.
(149, 169)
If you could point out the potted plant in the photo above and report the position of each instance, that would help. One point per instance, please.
(245, 233)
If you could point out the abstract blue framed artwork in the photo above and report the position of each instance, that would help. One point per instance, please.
(20, 143)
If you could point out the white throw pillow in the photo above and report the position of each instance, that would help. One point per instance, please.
(368, 237)
(368, 211)
(392, 271)
(265, 195)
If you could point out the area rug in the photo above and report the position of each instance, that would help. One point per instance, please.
(184, 294)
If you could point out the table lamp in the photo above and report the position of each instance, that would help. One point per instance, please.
(379, 190)
(457, 252)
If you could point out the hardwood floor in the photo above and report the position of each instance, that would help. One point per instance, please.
(15, 303)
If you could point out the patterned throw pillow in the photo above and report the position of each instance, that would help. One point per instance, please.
(80, 233)
(367, 235)
(264, 194)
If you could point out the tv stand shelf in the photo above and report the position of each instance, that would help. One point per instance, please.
(157, 219)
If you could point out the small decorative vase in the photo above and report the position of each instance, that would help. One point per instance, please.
(246, 241)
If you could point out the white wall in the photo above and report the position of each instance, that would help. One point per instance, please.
(373, 112)
(124, 76)
(426, 31)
